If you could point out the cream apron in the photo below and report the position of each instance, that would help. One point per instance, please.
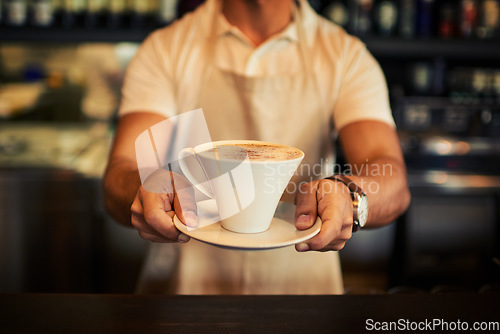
(284, 109)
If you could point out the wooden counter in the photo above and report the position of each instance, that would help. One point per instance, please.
(57, 313)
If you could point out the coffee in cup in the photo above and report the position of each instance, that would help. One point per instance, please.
(245, 178)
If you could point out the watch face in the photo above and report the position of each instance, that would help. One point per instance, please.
(362, 210)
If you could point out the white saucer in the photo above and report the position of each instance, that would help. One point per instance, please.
(281, 233)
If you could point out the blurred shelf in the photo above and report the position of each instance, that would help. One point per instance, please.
(429, 48)
(380, 47)
(75, 35)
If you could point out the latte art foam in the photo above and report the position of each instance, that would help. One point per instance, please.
(256, 152)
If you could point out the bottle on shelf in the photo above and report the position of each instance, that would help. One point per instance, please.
(95, 13)
(439, 68)
(56, 13)
(72, 13)
(153, 14)
(362, 22)
(425, 18)
(495, 83)
(167, 11)
(468, 18)
(16, 12)
(42, 13)
(116, 13)
(421, 75)
(337, 11)
(407, 18)
(385, 17)
(447, 19)
(488, 18)
(139, 12)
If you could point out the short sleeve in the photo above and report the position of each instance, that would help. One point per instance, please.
(363, 93)
(148, 84)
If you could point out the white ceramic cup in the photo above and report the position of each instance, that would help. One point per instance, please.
(247, 190)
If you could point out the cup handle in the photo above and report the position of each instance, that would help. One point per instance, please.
(188, 154)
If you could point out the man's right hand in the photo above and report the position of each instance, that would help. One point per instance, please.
(153, 211)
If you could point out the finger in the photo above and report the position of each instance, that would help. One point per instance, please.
(306, 211)
(336, 244)
(342, 239)
(155, 207)
(332, 206)
(329, 231)
(184, 201)
(329, 235)
(137, 216)
(144, 229)
(136, 207)
(141, 225)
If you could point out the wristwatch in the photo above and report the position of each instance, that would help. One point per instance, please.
(359, 201)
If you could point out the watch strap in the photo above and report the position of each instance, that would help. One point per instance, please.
(355, 226)
(351, 185)
(353, 188)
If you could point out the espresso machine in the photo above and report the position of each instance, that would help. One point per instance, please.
(451, 144)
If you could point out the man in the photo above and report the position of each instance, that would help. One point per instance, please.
(269, 70)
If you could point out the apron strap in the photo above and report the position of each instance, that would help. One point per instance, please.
(327, 133)
(307, 64)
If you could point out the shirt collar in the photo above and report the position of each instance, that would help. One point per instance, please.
(223, 27)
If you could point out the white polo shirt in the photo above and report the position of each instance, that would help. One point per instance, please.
(166, 74)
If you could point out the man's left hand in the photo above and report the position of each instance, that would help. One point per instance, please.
(331, 201)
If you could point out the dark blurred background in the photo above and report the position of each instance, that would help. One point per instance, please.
(61, 69)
